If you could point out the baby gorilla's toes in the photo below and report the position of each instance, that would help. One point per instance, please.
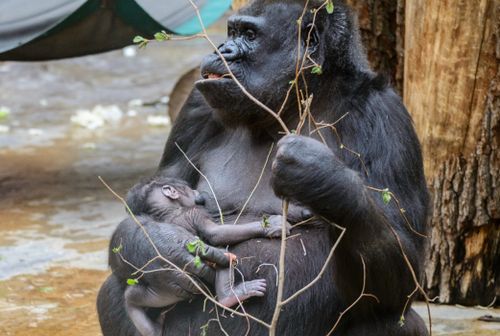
(243, 291)
(255, 287)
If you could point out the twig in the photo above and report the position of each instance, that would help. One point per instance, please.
(323, 269)
(303, 247)
(281, 274)
(206, 179)
(275, 269)
(304, 222)
(362, 295)
(413, 274)
(341, 144)
(401, 210)
(256, 184)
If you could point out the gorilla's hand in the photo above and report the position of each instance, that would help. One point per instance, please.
(303, 167)
(272, 229)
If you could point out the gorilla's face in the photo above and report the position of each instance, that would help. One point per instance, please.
(261, 51)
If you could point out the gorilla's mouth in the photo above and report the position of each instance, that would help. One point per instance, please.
(215, 76)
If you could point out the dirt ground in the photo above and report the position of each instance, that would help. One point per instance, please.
(55, 215)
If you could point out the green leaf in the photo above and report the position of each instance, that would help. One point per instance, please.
(292, 82)
(330, 7)
(202, 247)
(197, 262)
(386, 196)
(162, 36)
(191, 246)
(117, 249)
(196, 246)
(132, 282)
(401, 322)
(139, 39)
(265, 222)
(316, 70)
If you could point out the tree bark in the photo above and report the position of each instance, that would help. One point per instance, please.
(452, 90)
(382, 30)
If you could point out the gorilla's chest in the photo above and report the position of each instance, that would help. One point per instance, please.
(233, 169)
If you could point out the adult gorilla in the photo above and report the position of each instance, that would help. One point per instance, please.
(228, 137)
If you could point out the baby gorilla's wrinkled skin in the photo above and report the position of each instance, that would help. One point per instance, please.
(170, 215)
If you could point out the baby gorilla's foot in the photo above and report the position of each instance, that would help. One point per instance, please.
(244, 291)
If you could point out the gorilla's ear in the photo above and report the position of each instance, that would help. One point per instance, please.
(313, 38)
(170, 192)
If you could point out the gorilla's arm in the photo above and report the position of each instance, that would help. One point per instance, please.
(332, 184)
(218, 235)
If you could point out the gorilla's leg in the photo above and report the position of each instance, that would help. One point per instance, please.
(113, 317)
(138, 298)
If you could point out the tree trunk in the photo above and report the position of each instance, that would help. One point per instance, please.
(382, 30)
(452, 90)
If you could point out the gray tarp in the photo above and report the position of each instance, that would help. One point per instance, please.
(50, 29)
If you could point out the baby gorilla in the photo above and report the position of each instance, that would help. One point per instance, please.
(167, 209)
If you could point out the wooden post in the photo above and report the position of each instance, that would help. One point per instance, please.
(452, 90)
(237, 4)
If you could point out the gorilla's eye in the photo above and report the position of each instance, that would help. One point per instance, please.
(231, 32)
(250, 34)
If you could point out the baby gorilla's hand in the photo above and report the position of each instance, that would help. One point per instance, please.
(272, 226)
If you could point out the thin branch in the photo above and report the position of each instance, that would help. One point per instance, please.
(206, 179)
(256, 185)
(362, 295)
(413, 274)
(304, 222)
(281, 276)
(323, 269)
(402, 211)
(341, 144)
(271, 265)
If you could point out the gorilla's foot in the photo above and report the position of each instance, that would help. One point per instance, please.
(243, 291)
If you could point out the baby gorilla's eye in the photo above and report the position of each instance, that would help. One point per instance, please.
(250, 34)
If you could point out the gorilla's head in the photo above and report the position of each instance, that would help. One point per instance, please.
(262, 49)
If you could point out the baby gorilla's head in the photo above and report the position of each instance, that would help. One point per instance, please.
(157, 196)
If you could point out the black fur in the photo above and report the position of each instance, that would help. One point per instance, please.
(228, 138)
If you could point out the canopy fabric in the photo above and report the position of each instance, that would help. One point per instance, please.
(33, 30)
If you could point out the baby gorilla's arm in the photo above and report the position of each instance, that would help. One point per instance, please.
(216, 234)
